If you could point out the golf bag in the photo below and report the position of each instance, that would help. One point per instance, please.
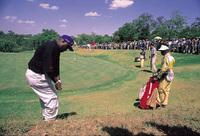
(138, 59)
(151, 87)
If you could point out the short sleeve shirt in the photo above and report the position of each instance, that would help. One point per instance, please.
(154, 52)
(46, 59)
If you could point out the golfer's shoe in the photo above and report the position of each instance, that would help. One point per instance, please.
(158, 107)
(161, 106)
(164, 106)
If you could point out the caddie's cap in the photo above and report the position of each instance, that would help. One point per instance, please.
(163, 48)
(69, 40)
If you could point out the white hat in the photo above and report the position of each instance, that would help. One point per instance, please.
(163, 48)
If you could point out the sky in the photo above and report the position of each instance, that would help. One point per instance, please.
(73, 17)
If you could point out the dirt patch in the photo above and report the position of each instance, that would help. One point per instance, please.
(87, 52)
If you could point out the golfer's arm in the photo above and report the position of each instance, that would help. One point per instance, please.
(164, 68)
(52, 77)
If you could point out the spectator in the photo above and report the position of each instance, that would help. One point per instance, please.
(196, 46)
(193, 46)
(187, 45)
(144, 44)
(147, 44)
(170, 45)
(155, 44)
(183, 45)
(178, 46)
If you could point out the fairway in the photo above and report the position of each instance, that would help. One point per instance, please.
(99, 96)
(87, 72)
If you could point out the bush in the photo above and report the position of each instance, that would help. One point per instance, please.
(9, 46)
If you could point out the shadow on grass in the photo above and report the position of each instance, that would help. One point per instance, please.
(2, 131)
(137, 103)
(116, 131)
(65, 115)
(167, 130)
(122, 132)
(138, 66)
(148, 71)
(174, 130)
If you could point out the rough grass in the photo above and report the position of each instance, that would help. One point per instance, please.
(100, 96)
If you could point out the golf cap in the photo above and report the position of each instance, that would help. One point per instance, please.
(163, 48)
(69, 40)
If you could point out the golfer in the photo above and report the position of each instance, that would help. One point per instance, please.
(43, 68)
(165, 75)
(153, 59)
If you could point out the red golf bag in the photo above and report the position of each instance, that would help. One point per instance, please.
(146, 93)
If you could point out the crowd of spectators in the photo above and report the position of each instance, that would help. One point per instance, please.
(182, 45)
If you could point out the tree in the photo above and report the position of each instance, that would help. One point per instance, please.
(116, 37)
(168, 29)
(175, 24)
(9, 46)
(195, 28)
(145, 25)
(186, 32)
(125, 33)
(48, 35)
(160, 29)
(84, 39)
(140, 28)
(2, 34)
(34, 42)
(106, 39)
(99, 39)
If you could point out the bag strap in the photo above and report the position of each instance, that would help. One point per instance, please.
(164, 95)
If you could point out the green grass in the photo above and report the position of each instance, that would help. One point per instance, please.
(186, 59)
(101, 87)
(87, 74)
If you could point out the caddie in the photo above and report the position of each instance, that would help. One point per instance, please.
(165, 75)
(43, 68)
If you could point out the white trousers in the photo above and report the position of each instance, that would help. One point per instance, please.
(152, 64)
(43, 87)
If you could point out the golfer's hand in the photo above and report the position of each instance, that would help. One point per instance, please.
(58, 86)
(155, 78)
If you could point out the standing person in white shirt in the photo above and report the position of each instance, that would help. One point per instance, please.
(89, 47)
(153, 58)
(170, 44)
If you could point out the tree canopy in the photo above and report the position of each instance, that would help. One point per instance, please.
(144, 27)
